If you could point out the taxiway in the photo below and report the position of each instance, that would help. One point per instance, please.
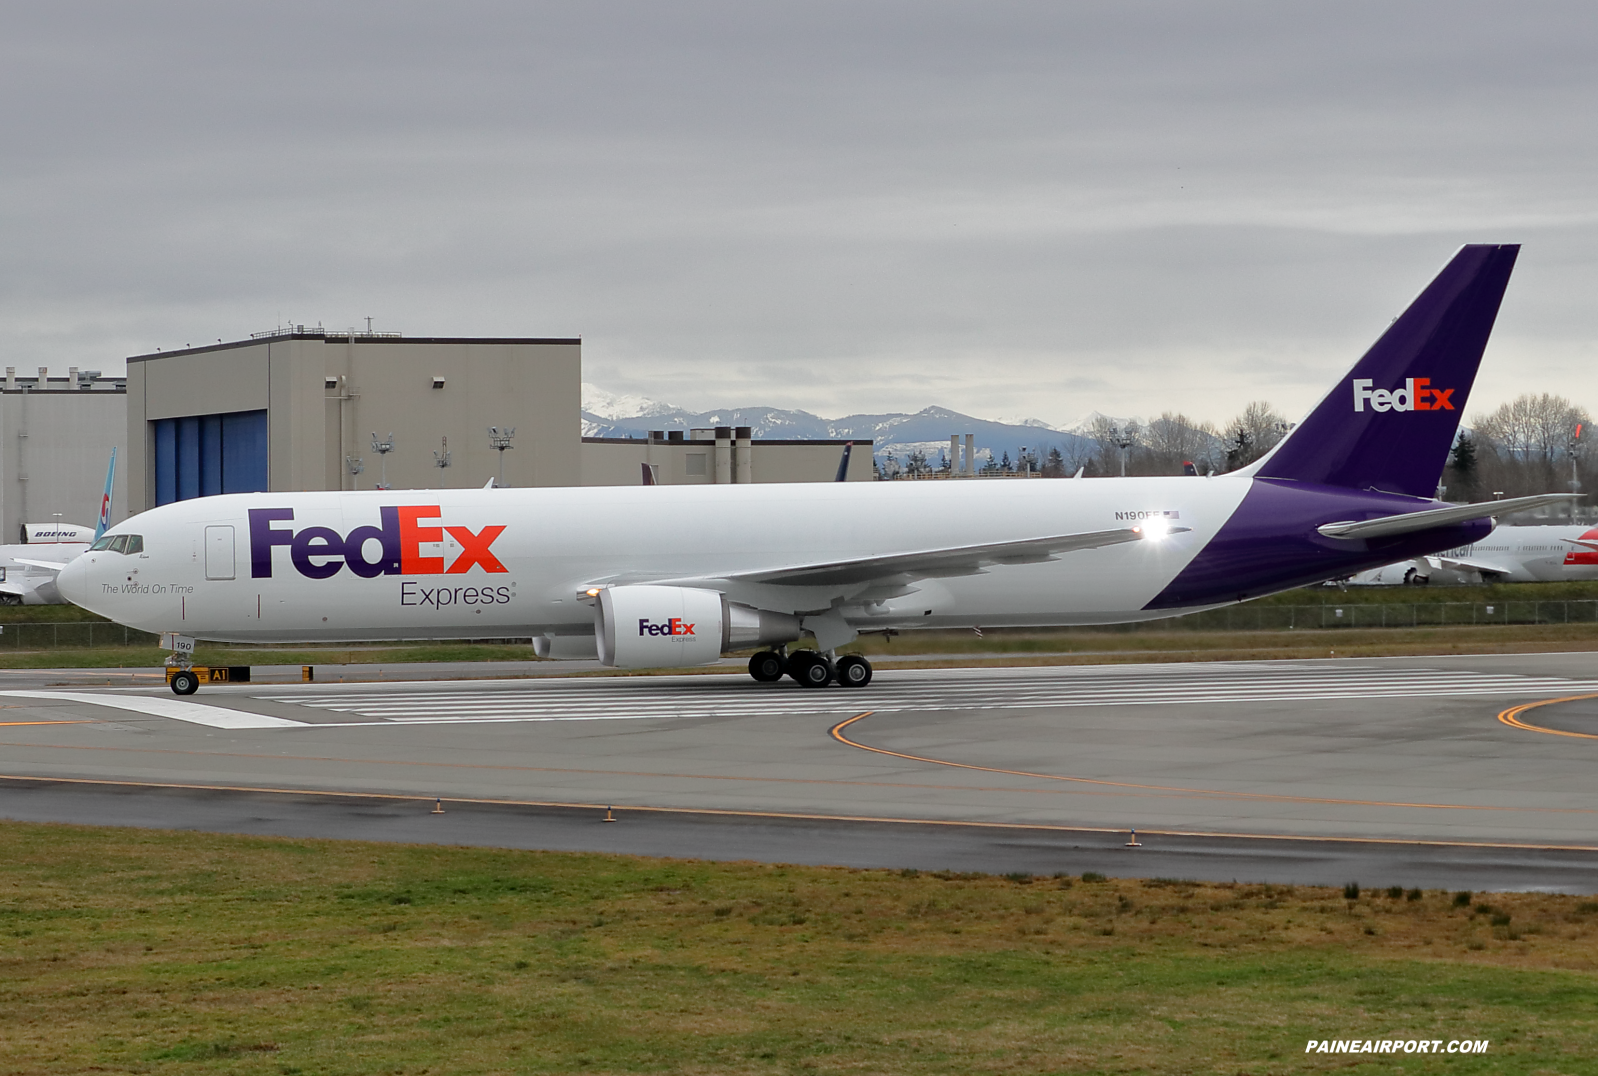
(1393, 771)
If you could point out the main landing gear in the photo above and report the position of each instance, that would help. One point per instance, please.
(810, 668)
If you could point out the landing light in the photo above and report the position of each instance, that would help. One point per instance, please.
(1154, 529)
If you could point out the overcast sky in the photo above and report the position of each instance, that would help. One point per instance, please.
(1009, 209)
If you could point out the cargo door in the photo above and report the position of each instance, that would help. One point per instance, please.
(219, 552)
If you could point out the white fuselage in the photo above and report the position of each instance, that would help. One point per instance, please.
(194, 573)
(1537, 554)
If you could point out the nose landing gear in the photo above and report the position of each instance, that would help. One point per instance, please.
(180, 663)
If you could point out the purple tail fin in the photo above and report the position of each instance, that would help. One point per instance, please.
(1388, 425)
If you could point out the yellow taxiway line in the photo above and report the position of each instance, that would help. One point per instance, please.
(1511, 717)
(838, 734)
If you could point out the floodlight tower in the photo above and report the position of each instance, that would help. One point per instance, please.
(383, 448)
(1122, 439)
(499, 440)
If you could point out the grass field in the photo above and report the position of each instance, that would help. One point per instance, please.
(143, 952)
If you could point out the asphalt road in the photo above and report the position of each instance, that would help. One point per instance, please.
(1393, 771)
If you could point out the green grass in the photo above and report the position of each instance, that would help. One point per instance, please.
(144, 952)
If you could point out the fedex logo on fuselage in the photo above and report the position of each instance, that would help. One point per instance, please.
(674, 626)
(1416, 395)
(320, 552)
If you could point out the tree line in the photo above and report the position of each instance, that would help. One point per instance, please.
(1532, 444)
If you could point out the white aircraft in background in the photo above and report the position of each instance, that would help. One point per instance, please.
(28, 572)
(667, 576)
(1508, 555)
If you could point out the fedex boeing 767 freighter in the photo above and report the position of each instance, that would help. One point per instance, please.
(664, 576)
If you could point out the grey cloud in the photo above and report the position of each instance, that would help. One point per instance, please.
(1019, 208)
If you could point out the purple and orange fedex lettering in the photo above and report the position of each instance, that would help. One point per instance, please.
(319, 552)
(1416, 395)
(411, 537)
(674, 626)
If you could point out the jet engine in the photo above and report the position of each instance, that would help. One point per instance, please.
(652, 627)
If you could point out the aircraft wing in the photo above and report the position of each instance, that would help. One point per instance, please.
(52, 565)
(1408, 522)
(1582, 544)
(948, 561)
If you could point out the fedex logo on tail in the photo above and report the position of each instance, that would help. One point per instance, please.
(321, 552)
(1416, 395)
(674, 626)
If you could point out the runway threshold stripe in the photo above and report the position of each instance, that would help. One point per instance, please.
(836, 732)
(192, 712)
(425, 800)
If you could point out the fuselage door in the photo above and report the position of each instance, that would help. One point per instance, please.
(219, 552)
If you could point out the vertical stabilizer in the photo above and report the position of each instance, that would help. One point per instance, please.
(1389, 424)
(105, 498)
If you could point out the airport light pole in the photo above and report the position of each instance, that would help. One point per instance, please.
(1122, 439)
(383, 448)
(1572, 446)
(499, 440)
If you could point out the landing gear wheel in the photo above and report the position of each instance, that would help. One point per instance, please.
(185, 683)
(854, 671)
(767, 666)
(798, 661)
(816, 673)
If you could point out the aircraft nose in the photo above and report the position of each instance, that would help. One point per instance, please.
(73, 580)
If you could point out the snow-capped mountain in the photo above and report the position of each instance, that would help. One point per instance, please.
(609, 415)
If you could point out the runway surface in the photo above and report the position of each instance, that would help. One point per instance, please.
(1282, 771)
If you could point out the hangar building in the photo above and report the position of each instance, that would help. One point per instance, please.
(56, 437)
(317, 409)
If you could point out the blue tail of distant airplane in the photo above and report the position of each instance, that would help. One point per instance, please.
(105, 498)
(843, 464)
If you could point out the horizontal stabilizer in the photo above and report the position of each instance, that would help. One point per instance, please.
(1455, 564)
(1409, 522)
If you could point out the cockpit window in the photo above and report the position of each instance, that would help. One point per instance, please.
(120, 543)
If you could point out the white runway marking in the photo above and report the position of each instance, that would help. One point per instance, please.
(196, 713)
(964, 689)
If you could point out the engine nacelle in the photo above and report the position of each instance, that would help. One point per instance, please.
(655, 627)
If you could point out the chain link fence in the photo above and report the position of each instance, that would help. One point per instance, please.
(1384, 615)
(72, 634)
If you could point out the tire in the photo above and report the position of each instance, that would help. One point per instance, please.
(767, 666)
(798, 661)
(854, 671)
(816, 672)
(185, 683)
